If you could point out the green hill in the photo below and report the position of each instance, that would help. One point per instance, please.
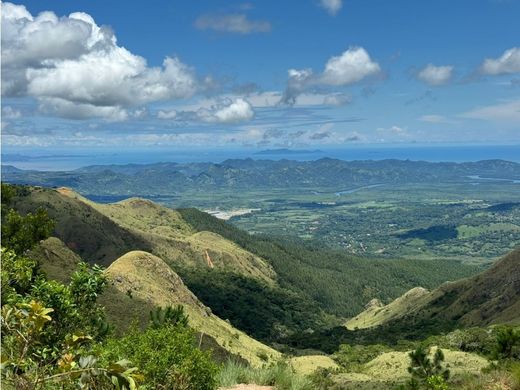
(376, 313)
(139, 282)
(491, 297)
(102, 233)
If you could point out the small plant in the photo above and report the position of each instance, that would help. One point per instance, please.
(425, 372)
(168, 316)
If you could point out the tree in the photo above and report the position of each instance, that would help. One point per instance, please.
(426, 372)
(507, 343)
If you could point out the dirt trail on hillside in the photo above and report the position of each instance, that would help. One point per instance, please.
(208, 259)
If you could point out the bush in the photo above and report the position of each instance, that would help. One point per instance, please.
(352, 357)
(167, 357)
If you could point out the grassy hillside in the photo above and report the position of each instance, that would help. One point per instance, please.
(139, 282)
(390, 369)
(376, 313)
(89, 233)
(488, 298)
(102, 233)
(491, 297)
(267, 287)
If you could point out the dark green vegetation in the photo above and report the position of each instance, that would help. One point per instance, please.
(265, 312)
(340, 283)
(487, 298)
(386, 208)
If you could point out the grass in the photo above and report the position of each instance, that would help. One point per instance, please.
(390, 369)
(377, 315)
(280, 375)
(306, 365)
(140, 281)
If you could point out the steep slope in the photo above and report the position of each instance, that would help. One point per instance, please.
(376, 313)
(92, 235)
(140, 281)
(491, 297)
(102, 233)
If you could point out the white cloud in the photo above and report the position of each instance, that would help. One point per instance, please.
(9, 112)
(435, 75)
(226, 111)
(237, 111)
(352, 66)
(232, 23)
(71, 110)
(332, 6)
(71, 61)
(508, 63)
(501, 112)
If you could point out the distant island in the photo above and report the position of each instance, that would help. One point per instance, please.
(289, 151)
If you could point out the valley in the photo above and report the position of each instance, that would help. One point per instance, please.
(387, 209)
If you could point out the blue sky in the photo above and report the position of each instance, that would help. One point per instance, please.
(259, 74)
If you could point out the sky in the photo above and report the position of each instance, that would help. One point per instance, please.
(259, 74)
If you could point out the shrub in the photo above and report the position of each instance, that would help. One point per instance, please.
(166, 356)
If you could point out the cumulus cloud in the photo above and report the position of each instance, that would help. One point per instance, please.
(352, 66)
(232, 23)
(435, 75)
(508, 63)
(237, 111)
(77, 69)
(332, 6)
(501, 112)
(228, 111)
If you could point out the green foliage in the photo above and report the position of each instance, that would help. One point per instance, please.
(477, 340)
(8, 192)
(28, 362)
(436, 382)
(172, 316)
(21, 233)
(352, 357)
(322, 379)
(167, 357)
(18, 274)
(507, 343)
(244, 301)
(427, 372)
